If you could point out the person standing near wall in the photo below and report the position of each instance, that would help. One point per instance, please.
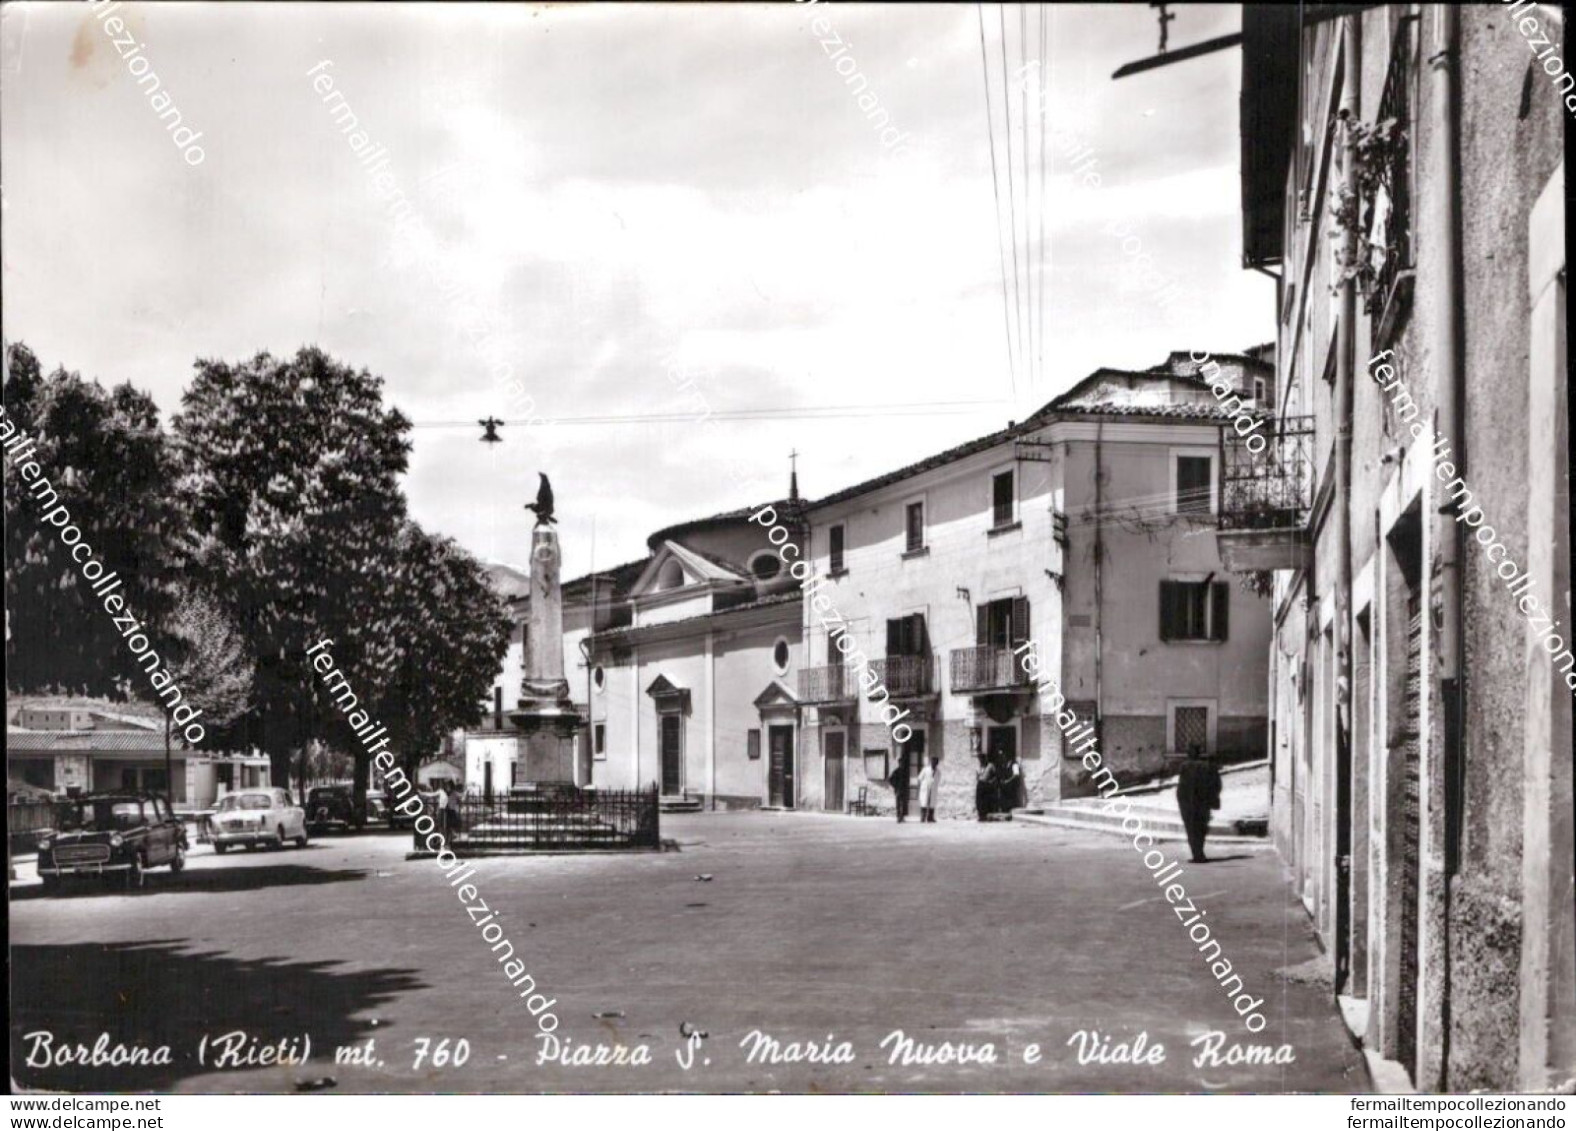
(1011, 785)
(929, 782)
(985, 788)
(898, 780)
(1198, 795)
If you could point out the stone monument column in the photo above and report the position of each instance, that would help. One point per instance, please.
(547, 717)
(544, 637)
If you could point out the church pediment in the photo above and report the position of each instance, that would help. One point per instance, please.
(675, 567)
(668, 695)
(776, 696)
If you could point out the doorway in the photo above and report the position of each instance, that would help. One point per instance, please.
(672, 753)
(833, 747)
(780, 789)
(1001, 746)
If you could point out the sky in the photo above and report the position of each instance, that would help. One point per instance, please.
(632, 196)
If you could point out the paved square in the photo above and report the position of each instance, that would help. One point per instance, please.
(812, 928)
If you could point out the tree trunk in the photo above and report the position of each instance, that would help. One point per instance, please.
(363, 772)
(169, 773)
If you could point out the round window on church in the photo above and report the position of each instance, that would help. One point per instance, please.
(781, 654)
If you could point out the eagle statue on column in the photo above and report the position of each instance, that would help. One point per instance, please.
(543, 507)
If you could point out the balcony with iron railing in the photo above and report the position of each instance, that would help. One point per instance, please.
(986, 668)
(904, 675)
(1266, 497)
(831, 684)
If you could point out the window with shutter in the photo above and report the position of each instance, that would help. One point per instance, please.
(1191, 610)
(752, 743)
(1194, 482)
(916, 526)
(1001, 499)
(982, 625)
(835, 542)
(919, 635)
(895, 637)
(1020, 621)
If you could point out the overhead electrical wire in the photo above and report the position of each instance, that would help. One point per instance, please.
(1041, 102)
(814, 412)
(1028, 210)
(1012, 194)
(1024, 298)
(995, 182)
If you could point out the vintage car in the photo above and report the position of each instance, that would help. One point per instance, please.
(332, 807)
(252, 817)
(112, 834)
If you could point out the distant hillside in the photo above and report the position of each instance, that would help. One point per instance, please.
(506, 580)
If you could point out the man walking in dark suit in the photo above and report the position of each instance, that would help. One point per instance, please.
(1198, 794)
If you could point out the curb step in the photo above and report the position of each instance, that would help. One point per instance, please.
(1160, 817)
(1160, 830)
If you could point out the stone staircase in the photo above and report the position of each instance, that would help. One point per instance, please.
(1242, 819)
(674, 803)
(575, 832)
(553, 820)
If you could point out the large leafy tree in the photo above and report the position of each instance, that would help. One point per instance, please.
(289, 475)
(105, 457)
(206, 658)
(453, 632)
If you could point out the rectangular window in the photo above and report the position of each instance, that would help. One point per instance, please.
(916, 526)
(906, 636)
(1194, 484)
(1190, 728)
(1003, 623)
(1001, 499)
(834, 537)
(599, 740)
(752, 742)
(1193, 610)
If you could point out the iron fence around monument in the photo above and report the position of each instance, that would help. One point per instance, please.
(561, 819)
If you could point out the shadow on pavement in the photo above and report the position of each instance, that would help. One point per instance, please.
(164, 882)
(161, 994)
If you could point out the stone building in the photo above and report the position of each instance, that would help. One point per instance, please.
(694, 690)
(682, 665)
(1420, 705)
(61, 745)
(1083, 531)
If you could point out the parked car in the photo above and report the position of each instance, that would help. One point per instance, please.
(256, 816)
(332, 807)
(112, 834)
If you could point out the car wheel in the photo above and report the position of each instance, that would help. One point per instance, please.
(281, 843)
(301, 840)
(220, 849)
(137, 874)
(179, 863)
(51, 884)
